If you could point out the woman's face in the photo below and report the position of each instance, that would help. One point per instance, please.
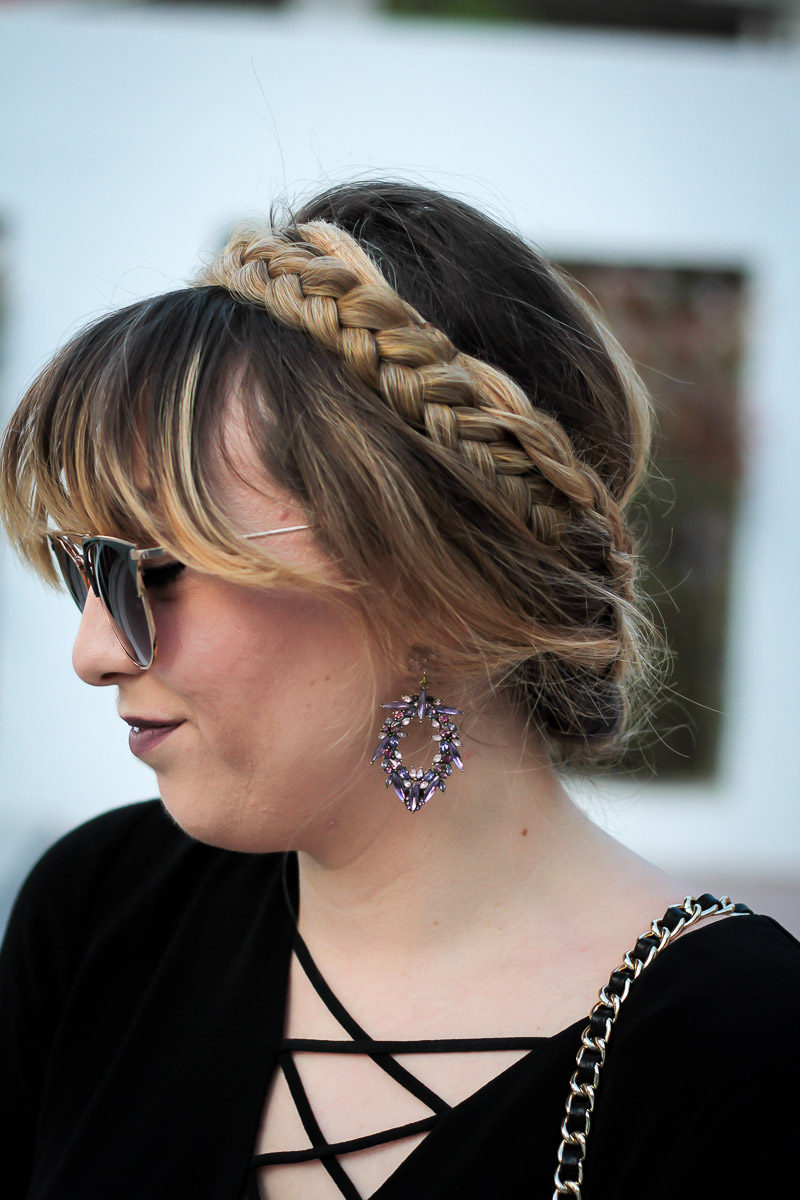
(264, 696)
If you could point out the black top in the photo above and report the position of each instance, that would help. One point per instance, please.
(142, 986)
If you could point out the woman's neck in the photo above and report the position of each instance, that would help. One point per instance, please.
(492, 850)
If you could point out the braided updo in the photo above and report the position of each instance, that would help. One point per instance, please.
(463, 434)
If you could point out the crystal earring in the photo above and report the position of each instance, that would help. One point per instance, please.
(415, 787)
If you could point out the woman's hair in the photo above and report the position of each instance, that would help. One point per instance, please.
(460, 429)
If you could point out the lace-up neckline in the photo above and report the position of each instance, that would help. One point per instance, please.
(382, 1054)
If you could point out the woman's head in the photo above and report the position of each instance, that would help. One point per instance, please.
(415, 383)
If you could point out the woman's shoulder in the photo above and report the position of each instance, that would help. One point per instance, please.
(702, 1044)
(78, 860)
(720, 1000)
(56, 908)
(105, 833)
(119, 867)
(726, 958)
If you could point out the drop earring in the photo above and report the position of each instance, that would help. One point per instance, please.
(414, 786)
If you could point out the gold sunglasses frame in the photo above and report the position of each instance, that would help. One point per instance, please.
(75, 549)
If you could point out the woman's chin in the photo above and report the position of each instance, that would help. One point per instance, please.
(233, 826)
(205, 822)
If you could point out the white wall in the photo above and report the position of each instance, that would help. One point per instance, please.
(130, 139)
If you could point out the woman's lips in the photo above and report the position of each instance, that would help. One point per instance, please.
(146, 735)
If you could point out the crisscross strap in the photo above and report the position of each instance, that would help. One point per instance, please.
(383, 1057)
(381, 1053)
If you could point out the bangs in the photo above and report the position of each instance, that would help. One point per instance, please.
(121, 434)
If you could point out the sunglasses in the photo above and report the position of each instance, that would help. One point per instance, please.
(116, 572)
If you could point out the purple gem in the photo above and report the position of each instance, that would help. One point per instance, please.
(457, 761)
(421, 702)
(413, 801)
(400, 793)
(382, 744)
(450, 712)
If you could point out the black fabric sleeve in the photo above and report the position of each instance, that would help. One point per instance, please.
(41, 946)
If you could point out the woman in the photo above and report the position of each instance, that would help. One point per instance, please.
(364, 483)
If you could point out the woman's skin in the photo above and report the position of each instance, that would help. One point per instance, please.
(498, 909)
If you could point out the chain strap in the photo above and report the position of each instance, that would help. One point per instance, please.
(594, 1039)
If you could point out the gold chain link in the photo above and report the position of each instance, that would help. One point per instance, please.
(592, 1052)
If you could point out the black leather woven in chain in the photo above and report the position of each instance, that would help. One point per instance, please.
(594, 1039)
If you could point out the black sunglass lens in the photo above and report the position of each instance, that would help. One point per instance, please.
(115, 573)
(71, 574)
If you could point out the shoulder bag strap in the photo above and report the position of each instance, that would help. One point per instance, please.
(594, 1039)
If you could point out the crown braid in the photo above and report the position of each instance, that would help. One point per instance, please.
(316, 278)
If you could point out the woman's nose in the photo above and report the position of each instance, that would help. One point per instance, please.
(97, 656)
